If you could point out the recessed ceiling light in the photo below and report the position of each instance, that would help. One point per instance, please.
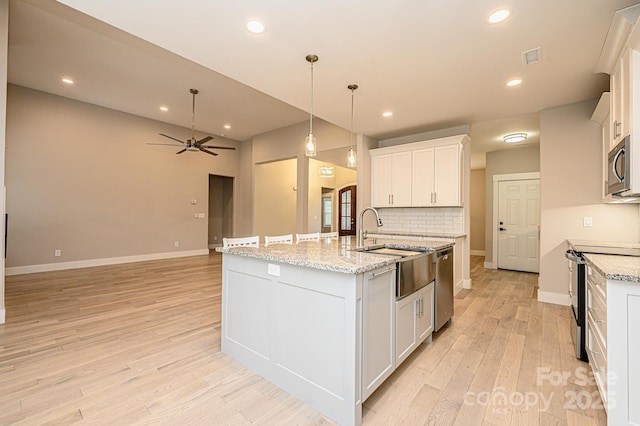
(514, 82)
(164, 108)
(387, 114)
(67, 80)
(515, 137)
(498, 16)
(255, 27)
(226, 126)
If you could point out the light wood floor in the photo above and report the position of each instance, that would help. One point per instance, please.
(140, 343)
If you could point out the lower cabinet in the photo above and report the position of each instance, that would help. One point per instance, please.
(377, 328)
(414, 321)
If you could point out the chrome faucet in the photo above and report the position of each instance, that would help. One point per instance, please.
(361, 231)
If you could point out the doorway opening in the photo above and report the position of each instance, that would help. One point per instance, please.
(220, 209)
(326, 224)
(347, 210)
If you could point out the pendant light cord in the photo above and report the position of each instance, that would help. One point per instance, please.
(351, 135)
(311, 109)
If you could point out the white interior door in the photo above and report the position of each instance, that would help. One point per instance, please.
(519, 225)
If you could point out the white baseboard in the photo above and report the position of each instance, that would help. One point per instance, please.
(476, 252)
(490, 265)
(466, 283)
(555, 298)
(47, 267)
(456, 289)
(2, 316)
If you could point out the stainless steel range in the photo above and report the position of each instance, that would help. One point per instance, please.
(578, 287)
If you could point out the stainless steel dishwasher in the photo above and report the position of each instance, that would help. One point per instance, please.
(443, 287)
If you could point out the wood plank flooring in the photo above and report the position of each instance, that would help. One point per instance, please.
(140, 344)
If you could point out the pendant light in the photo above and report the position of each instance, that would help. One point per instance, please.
(351, 155)
(310, 142)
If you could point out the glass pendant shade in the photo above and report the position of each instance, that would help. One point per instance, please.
(351, 158)
(310, 146)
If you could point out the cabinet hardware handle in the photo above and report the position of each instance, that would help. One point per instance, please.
(616, 125)
(376, 274)
(417, 306)
(435, 198)
(432, 198)
(391, 198)
(421, 306)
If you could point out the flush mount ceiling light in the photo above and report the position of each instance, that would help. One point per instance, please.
(255, 27)
(387, 114)
(164, 108)
(351, 155)
(310, 142)
(514, 82)
(67, 80)
(515, 137)
(227, 126)
(498, 16)
(326, 172)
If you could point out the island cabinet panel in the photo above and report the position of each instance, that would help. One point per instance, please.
(414, 322)
(300, 328)
(378, 327)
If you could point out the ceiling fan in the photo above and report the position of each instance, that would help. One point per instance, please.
(192, 144)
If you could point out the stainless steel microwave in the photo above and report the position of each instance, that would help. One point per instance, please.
(619, 168)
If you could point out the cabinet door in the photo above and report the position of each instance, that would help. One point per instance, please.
(619, 101)
(378, 329)
(422, 177)
(447, 176)
(401, 179)
(381, 175)
(425, 313)
(406, 333)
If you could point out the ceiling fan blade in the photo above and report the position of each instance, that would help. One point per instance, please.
(181, 151)
(171, 137)
(208, 152)
(166, 144)
(217, 147)
(204, 140)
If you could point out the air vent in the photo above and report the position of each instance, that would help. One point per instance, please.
(532, 56)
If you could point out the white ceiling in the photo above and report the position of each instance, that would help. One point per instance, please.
(435, 64)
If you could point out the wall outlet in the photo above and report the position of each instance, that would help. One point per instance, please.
(57, 253)
(215, 238)
(273, 269)
(176, 244)
(587, 221)
(195, 215)
(194, 201)
(201, 215)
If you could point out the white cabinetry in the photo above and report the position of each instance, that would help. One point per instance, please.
(390, 180)
(612, 345)
(414, 321)
(597, 329)
(378, 324)
(419, 174)
(436, 176)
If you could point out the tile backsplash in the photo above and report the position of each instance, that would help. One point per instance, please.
(433, 219)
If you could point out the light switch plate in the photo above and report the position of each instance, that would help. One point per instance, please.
(587, 221)
(273, 269)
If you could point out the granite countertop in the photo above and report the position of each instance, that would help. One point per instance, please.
(573, 243)
(615, 267)
(335, 255)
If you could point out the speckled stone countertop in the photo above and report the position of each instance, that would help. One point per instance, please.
(335, 255)
(614, 267)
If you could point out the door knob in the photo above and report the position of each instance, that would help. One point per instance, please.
(502, 229)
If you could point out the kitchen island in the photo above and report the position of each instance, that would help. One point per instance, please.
(316, 318)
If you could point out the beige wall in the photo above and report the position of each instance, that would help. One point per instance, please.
(570, 171)
(4, 38)
(515, 160)
(275, 198)
(81, 178)
(343, 177)
(288, 142)
(477, 213)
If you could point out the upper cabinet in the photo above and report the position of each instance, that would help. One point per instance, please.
(419, 174)
(389, 176)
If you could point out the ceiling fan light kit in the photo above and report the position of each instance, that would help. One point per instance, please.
(192, 144)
